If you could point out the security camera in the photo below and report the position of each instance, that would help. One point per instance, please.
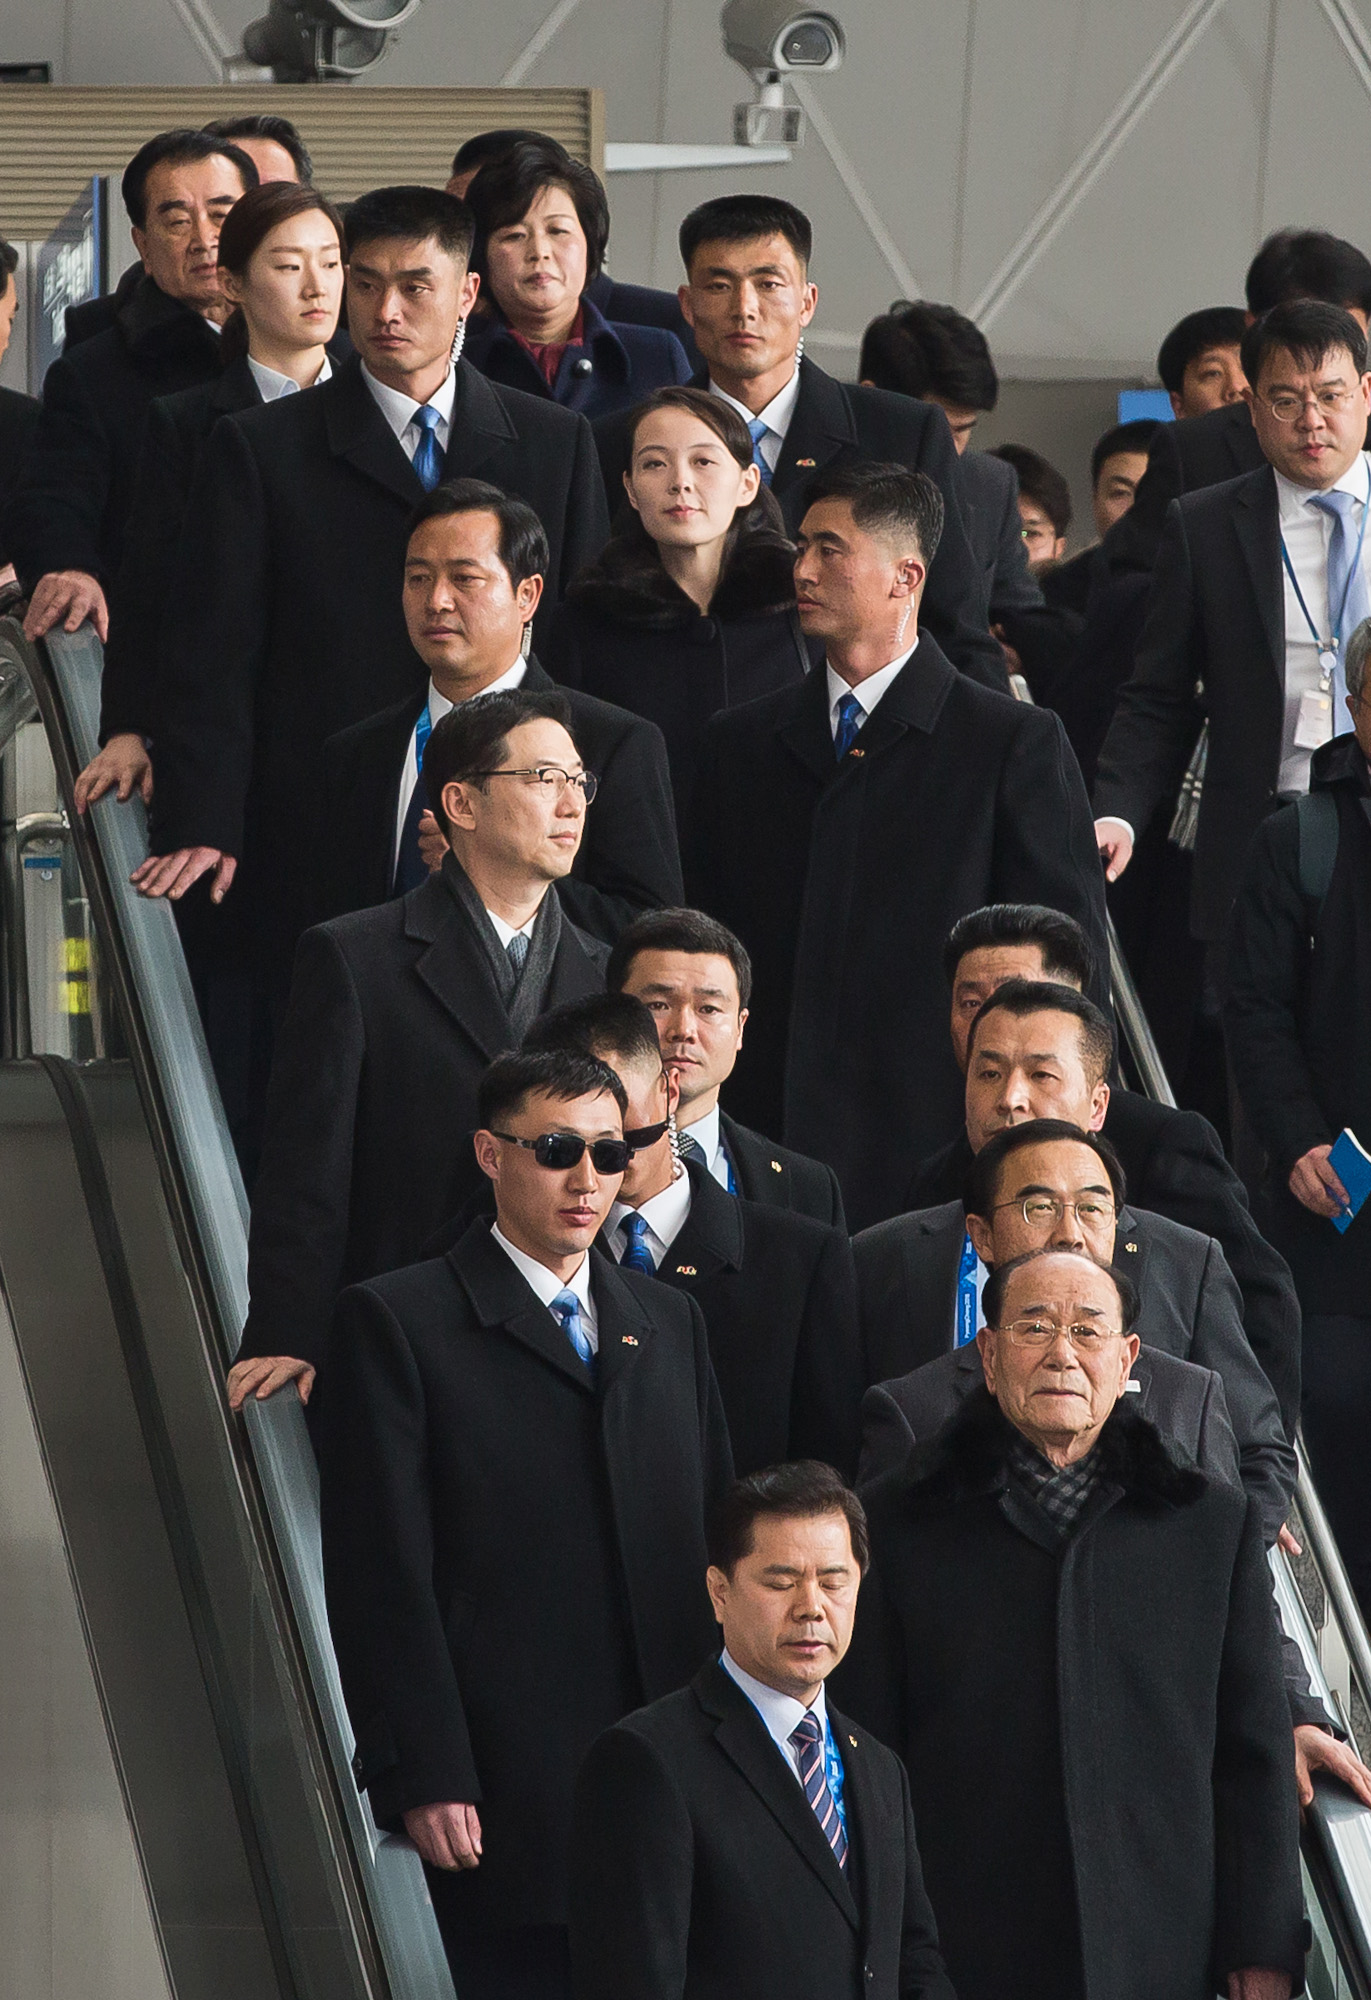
(306, 41)
(770, 41)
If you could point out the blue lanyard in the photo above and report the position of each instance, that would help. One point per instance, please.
(966, 1293)
(423, 729)
(1328, 648)
(833, 1771)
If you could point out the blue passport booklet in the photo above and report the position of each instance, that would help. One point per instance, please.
(1351, 1163)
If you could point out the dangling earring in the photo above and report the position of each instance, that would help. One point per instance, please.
(458, 342)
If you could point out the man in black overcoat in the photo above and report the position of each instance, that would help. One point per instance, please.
(520, 1445)
(748, 297)
(296, 530)
(1072, 1643)
(394, 1014)
(844, 826)
(475, 566)
(741, 1840)
(64, 524)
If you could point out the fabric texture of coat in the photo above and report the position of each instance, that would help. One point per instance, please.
(700, 1873)
(1095, 1728)
(18, 428)
(990, 502)
(613, 368)
(513, 1547)
(843, 879)
(780, 1177)
(393, 1017)
(628, 860)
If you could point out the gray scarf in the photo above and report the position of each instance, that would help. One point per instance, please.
(524, 994)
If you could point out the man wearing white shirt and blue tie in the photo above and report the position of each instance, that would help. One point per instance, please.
(1259, 583)
(839, 822)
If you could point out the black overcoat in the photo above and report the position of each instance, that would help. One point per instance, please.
(780, 1177)
(1096, 1731)
(699, 1870)
(18, 428)
(513, 1550)
(843, 880)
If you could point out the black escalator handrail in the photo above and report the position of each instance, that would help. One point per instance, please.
(145, 967)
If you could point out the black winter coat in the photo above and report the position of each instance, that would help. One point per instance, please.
(18, 428)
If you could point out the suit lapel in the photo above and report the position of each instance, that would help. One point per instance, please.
(373, 790)
(503, 1300)
(480, 425)
(868, 1829)
(806, 732)
(357, 431)
(932, 1256)
(1131, 1246)
(624, 1331)
(1256, 522)
(711, 1239)
(453, 966)
(820, 426)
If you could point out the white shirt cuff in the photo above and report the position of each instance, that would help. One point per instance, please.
(1112, 819)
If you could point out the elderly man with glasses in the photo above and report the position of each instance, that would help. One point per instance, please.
(1068, 1635)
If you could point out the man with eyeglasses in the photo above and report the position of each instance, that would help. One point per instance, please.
(1259, 584)
(520, 1444)
(394, 1014)
(1067, 1634)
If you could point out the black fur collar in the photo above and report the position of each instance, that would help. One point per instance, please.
(970, 1454)
(628, 586)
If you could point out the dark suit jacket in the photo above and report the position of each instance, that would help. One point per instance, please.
(843, 880)
(18, 428)
(627, 362)
(296, 533)
(1195, 452)
(839, 423)
(699, 1871)
(513, 1548)
(779, 1297)
(1175, 1167)
(72, 503)
(1217, 615)
(990, 502)
(781, 1178)
(393, 1016)
(642, 305)
(628, 861)
(1191, 1308)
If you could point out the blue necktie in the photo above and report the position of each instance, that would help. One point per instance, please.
(567, 1308)
(851, 716)
(1348, 601)
(428, 453)
(637, 1256)
(410, 869)
(808, 1739)
(758, 431)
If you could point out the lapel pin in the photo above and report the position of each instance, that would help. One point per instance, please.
(853, 1741)
(776, 1167)
(855, 752)
(1132, 1249)
(629, 1339)
(806, 461)
(686, 1271)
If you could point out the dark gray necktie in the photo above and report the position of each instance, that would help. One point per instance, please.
(517, 951)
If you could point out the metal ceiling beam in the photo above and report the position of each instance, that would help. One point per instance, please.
(1350, 30)
(910, 288)
(529, 54)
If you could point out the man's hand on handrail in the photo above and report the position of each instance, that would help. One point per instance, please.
(172, 874)
(264, 1375)
(123, 762)
(68, 595)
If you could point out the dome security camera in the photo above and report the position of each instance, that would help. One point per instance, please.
(770, 38)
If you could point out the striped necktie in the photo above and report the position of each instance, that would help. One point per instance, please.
(808, 1738)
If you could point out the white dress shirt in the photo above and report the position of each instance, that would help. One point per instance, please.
(708, 1136)
(780, 1712)
(398, 410)
(505, 931)
(272, 384)
(438, 706)
(868, 692)
(1306, 530)
(665, 1215)
(776, 416)
(546, 1284)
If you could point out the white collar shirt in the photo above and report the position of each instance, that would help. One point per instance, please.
(708, 1135)
(776, 416)
(1305, 531)
(505, 931)
(398, 410)
(545, 1284)
(868, 692)
(438, 706)
(780, 1712)
(272, 384)
(665, 1215)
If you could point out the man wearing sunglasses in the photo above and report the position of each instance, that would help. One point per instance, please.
(520, 1443)
(777, 1290)
(394, 1014)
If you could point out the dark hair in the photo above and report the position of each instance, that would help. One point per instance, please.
(1021, 997)
(523, 539)
(483, 147)
(267, 125)
(997, 1284)
(1134, 436)
(247, 225)
(9, 264)
(1063, 944)
(1308, 331)
(1040, 483)
(473, 737)
(1211, 326)
(560, 1073)
(889, 500)
(178, 148)
(926, 350)
(1308, 264)
(984, 1175)
(743, 218)
(603, 1024)
(504, 191)
(411, 214)
(689, 931)
(801, 1491)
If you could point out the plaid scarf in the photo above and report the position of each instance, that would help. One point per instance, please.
(1060, 1491)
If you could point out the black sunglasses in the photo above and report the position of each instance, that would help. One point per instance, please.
(644, 1136)
(561, 1150)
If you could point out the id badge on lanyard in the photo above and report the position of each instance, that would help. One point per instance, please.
(1314, 720)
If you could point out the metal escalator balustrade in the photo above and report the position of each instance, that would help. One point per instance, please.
(105, 1067)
